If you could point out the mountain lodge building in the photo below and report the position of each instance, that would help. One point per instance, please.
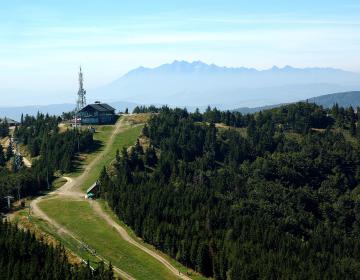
(97, 113)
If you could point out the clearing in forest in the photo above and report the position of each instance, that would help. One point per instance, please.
(87, 227)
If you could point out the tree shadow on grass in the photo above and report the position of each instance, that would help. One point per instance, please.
(78, 161)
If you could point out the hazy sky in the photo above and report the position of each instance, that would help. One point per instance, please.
(42, 44)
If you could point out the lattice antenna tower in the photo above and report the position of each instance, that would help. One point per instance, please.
(81, 102)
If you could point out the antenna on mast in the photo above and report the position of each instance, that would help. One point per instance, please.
(81, 100)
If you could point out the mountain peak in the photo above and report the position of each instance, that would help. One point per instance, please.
(196, 83)
(288, 67)
(198, 67)
(176, 67)
(186, 64)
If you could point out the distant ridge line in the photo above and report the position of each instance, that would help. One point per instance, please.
(343, 99)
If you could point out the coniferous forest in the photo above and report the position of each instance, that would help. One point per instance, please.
(24, 257)
(51, 149)
(21, 255)
(273, 195)
(4, 128)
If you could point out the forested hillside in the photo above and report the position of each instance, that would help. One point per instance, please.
(274, 195)
(21, 255)
(24, 257)
(52, 150)
(4, 128)
(343, 99)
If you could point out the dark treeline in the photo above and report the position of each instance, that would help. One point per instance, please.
(299, 117)
(4, 128)
(53, 151)
(42, 138)
(145, 109)
(24, 257)
(21, 255)
(56, 150)
(67, 116)
(274, 196)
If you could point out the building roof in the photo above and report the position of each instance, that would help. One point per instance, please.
(101, 107)
(93, 186)
(8, 120)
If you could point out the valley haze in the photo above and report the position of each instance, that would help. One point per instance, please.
(197, 85)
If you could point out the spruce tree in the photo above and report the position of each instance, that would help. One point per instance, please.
(237, 205)
(145, 131)
(138, 148)
(352, 127)
(2, 156)
(4, 128)
(9, 152)
(150, 157)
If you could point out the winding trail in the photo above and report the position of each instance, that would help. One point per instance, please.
(36, 211)
(72, 189)
(26, 162)
(123, 233)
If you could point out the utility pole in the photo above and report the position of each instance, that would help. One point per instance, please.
(78, 140)
(18, 191)
(9, 197)
(75, 116)
(47, 163)
(47, 178)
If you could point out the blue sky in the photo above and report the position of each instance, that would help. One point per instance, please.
(42, 43)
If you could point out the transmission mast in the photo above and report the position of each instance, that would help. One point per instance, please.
(81, 101)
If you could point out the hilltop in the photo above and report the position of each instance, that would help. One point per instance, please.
(343, 99)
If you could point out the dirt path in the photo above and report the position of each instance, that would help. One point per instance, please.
(72, 189)
(36, 211)
(123, 233)
(26, 162)
(78, 181)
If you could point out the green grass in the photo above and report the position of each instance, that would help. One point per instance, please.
(58, 182)
(189, 272)
(67, 241)
(348, 137)
(123, 139)
(294, 136)
(94, 231)
(79, 217)
(101, 136)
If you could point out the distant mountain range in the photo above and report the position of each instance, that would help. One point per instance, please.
(199, 84)
(343, 99)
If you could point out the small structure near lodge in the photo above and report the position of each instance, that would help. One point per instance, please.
(9, 121)
(93, 191)
(97, 113)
